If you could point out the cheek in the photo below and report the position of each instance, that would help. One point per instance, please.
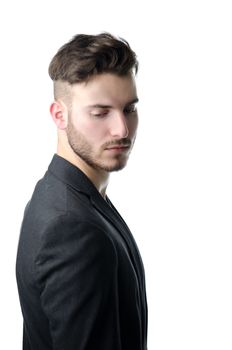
(133, 125)
(93, 131)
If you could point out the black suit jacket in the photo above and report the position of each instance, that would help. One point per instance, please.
(79, 272)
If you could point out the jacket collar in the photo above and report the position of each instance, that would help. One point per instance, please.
(72, 175)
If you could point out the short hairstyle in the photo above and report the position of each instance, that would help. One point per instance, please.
(87, 55)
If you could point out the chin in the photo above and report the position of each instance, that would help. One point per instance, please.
(114, 167)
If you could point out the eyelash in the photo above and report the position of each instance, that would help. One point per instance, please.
(98, 115)
(130, 110)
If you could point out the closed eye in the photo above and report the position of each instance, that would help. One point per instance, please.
(99, 113)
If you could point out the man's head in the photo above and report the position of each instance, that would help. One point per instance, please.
(95, 97)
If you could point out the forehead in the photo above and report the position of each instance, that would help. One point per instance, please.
(105, 89)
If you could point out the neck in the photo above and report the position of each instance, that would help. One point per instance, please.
(99, 178)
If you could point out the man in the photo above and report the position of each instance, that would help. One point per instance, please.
(79, 272)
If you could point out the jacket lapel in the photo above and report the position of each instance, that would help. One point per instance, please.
(110, 213)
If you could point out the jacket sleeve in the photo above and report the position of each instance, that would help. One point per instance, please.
(77, 277)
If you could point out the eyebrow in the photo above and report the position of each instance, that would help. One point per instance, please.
(135, 100)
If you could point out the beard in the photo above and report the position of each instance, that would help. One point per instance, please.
(95, 159)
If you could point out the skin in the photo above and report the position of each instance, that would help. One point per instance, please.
(97, 122)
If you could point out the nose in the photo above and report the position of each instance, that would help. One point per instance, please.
(119, 126)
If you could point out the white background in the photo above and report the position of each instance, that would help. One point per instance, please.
(176, 193)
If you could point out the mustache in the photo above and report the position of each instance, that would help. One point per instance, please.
(121, 142)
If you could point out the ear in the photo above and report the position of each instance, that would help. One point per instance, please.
(59, 113)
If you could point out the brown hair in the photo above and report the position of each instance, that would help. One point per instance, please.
(88, 55)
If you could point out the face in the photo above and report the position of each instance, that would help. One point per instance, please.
(103, 121)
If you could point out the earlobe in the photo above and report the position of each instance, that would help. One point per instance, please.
(59, 114)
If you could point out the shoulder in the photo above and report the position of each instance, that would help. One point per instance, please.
(72, 235)
(52, 198)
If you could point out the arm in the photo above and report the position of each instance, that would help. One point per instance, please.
(77, 277)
